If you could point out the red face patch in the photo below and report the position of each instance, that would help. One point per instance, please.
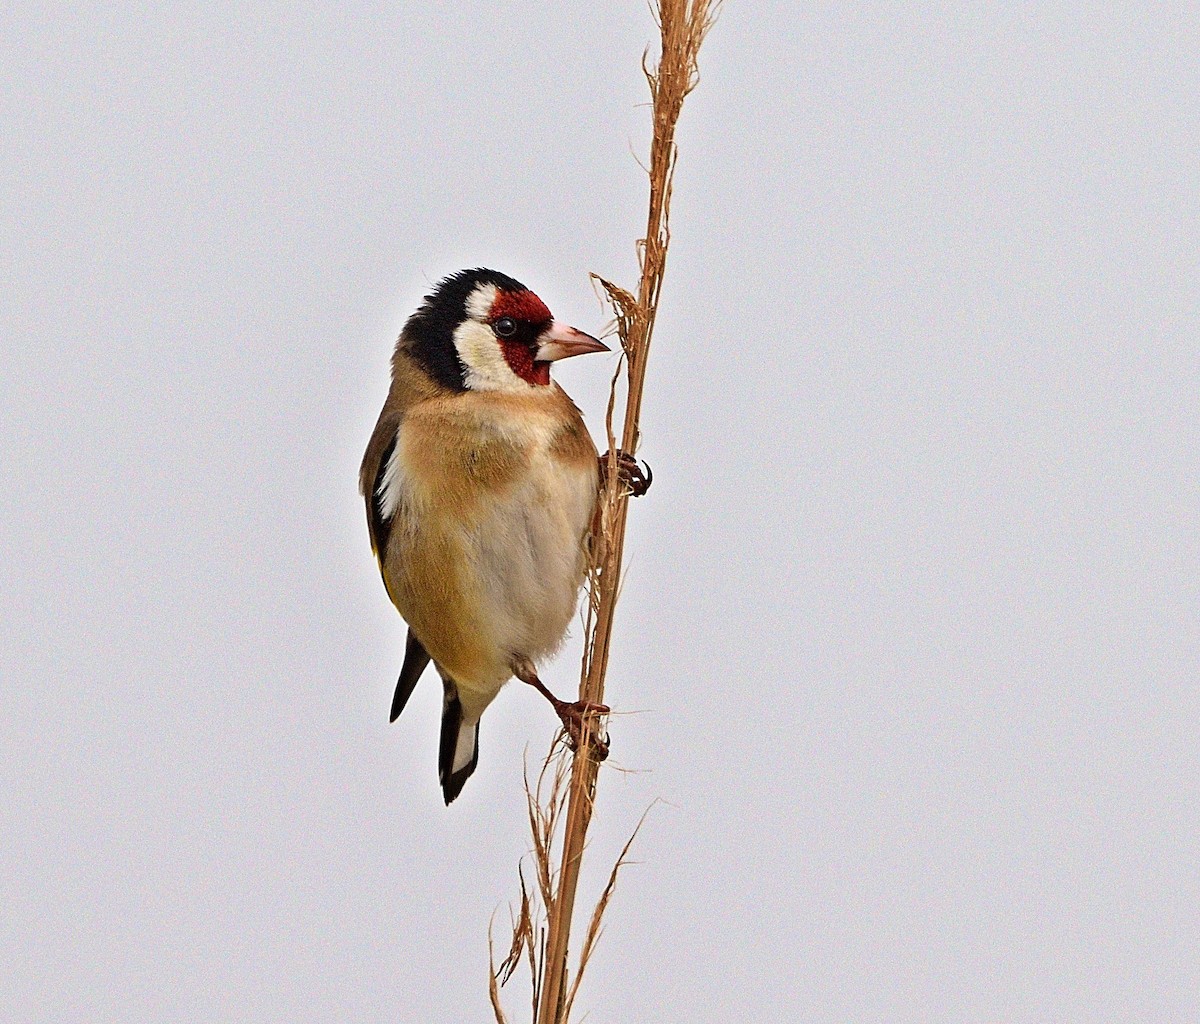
(519, 357)
(523, 305)
(531, 314)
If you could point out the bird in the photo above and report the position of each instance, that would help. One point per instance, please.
(480, 482)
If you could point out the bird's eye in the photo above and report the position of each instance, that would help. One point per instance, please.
(505, 327)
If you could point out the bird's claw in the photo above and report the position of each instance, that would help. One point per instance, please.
(637, 482)
(573, 716)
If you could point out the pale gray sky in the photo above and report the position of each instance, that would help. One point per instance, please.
(911, 616)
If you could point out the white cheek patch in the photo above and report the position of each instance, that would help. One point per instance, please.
(487, 369)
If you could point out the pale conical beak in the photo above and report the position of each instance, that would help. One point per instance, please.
(558, 341)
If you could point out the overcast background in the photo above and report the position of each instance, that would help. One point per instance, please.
(911, 621)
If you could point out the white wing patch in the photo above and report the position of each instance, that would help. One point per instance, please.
(391, 484)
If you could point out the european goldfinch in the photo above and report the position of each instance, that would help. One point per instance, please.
(480, 483)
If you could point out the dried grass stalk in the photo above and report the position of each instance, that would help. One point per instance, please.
(546, 798)
(683, 25)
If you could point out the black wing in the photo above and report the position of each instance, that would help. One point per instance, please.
(416, 658)
(379, 525)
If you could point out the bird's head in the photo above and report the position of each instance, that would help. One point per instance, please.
(480, 330)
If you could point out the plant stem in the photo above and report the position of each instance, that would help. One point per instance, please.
(683, 25)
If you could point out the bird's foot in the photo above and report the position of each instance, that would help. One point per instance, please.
(637, 482)
(573, 714)
(575, 717)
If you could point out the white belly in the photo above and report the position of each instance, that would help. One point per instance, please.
(487, 569)
(530, 562)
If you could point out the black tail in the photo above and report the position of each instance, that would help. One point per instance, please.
(415, 660)
(459, 751)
